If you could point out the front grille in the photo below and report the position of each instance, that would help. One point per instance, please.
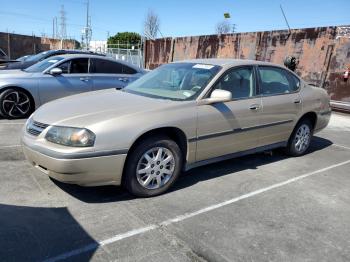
(36, 128)
(33, 132)
(40, 125)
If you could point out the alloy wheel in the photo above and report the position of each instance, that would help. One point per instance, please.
(155, 168)
(16, 104)
(302, 138)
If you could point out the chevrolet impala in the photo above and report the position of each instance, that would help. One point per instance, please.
(179, 116)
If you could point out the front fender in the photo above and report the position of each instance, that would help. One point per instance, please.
(31, 86)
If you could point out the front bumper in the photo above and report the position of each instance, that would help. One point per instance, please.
(89, 171)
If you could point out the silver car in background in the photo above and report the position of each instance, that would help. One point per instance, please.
(22, 91)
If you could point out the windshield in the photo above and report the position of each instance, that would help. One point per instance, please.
(38, 57)
(43, 65)
(23, 58)
(177, 81)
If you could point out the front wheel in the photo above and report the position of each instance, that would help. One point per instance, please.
(15, 104)
(300, 140)
(153, 167)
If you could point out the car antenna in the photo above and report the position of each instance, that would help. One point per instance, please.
(285, 18)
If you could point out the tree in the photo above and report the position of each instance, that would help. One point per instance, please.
(124, 39)
(151, 25)
(225, 27)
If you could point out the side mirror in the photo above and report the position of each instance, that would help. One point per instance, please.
(217, 96)
(55, 71)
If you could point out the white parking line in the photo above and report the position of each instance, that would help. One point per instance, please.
(185, 216)
(10, 146)
(341, 146)
(12, 123)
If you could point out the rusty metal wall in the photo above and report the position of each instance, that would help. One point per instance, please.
(16, 45)
(323, 53)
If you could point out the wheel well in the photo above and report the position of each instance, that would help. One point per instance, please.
(173, 133)
(23, 90)
(312, 116)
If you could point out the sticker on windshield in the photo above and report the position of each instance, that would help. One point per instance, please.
(187, 94)
(202, 66)
(53, 61)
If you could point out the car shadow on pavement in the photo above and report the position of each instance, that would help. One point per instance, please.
(238, 164)
(100, 194)
(39, 233)
(113, 194)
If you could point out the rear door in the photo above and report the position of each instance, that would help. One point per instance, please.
(74, 79)
(281, 101)
(225, 128)
(110, 74)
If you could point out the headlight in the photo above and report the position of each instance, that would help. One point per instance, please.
(70, 136)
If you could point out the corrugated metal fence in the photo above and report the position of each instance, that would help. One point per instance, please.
(323, 53)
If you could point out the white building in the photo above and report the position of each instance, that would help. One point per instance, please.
(98, 46)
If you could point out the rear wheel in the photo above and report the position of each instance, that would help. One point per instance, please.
(300, 140)
(15, 104)
(153, 167)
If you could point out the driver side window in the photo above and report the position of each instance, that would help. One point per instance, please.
(240, 82)
(65, 67)
(75, 66)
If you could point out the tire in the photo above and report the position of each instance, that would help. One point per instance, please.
(15, 104)
(157, 172)
(300, 140)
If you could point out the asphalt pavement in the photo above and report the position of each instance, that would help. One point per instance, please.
(263, 207)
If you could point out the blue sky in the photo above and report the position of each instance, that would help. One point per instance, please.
(178, 17)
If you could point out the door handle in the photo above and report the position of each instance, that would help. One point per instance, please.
(85, 79)
(254, 107)
(297, 101)
(123, 79)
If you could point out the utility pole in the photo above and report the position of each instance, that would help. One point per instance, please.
(87, 30)
(53, 28)
(56, 26)
(8, 45)
(63, 34)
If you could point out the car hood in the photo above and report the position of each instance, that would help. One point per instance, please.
(19, 65)
(89, 108)
(14, 73)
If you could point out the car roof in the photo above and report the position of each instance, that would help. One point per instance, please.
(66, 56)
(73, 51)
(84, 55)
(228, 62)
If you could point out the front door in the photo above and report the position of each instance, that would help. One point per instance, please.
(225, 128)
(74, 79)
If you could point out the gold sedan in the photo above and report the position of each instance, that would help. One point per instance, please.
(177, 117)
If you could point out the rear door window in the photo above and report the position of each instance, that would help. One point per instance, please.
(274, 81)
(128, 70)
(102, 66)
(294, 81)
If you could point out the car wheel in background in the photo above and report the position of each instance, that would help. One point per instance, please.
(300, 140)
(153, 167)
(15, 104)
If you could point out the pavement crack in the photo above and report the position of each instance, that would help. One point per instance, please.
(196, 253)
